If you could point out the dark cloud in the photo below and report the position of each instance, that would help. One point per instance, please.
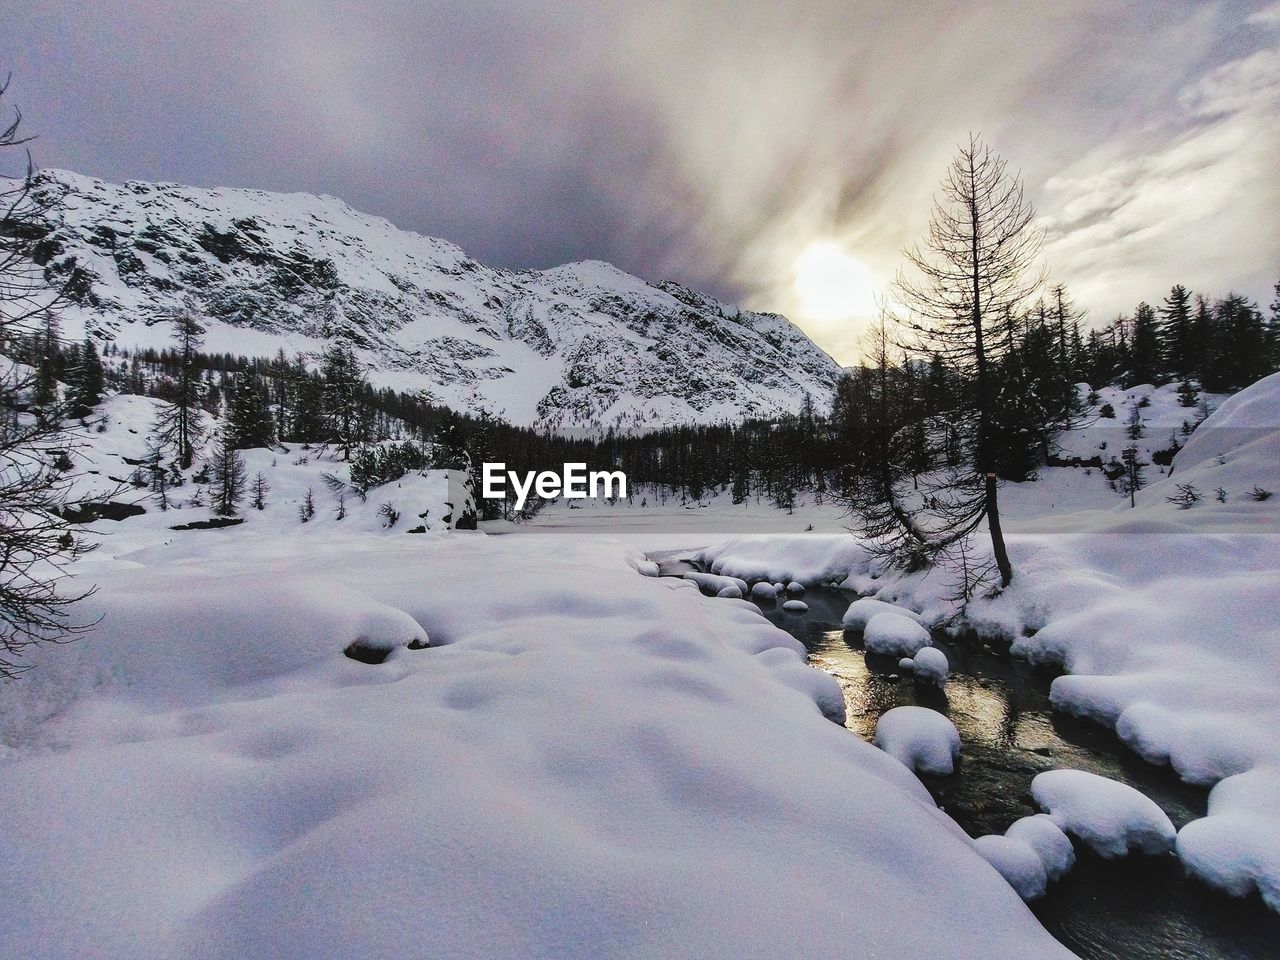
(708, 142)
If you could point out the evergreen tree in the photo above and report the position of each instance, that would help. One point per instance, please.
(260, 491)
(86, 388)
(1144, 352)
(344, 386)
(1177, 334)
(178, 427)
(228, 475)
(249, 420)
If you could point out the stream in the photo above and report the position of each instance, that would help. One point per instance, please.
(1134, 908)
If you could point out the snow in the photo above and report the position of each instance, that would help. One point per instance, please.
(795, 606)
(1014, 860)
(580, 345)
(586, 762)
(1236, 847)
(1111, 817)
(795, 588)
(864, 609)
(922, 739)
(764, 591)
(729, 593)
(930, 665)
(711, 583)
(1165, 620)
(1046, 838)
(894, 635)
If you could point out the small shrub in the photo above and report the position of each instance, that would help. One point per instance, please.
(1186, 497)
(1107, 411)
(1260, 495)
(389, 514)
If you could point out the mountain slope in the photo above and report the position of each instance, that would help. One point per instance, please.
(582, 345)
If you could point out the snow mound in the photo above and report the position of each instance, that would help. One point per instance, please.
(894, 635)
(1017, 862)
(795, 606)
(930, 665)
(906, 665)
(729, 593)
(764, 591)
(922, 739)
(795, 588)
(713, 583)
(809, 559)
(1236, 847)
(1046, 838)
(863, 609)
(1111, 817)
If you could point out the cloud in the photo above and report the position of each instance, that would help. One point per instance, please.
(709, 143)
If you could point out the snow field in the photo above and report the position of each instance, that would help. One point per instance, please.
(586, 762)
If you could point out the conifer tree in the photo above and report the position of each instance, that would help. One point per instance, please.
(976, 270)
(344, 386)
(86, 387)
(179, 424)
(228, 476)
(249, 420)
(1177, 333)
(1144, 350)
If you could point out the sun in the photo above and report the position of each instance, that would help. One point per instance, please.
(832, 284)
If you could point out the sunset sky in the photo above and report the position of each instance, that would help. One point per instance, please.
(775, 154)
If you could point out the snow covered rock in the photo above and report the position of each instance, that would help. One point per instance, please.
(764, 591)
(1111, 817)
(893, 634)
(922, 739)
(1236, 847)
(1046, 838)
(907, 665)
(930, 665)
(730, 592)
(795, 606)
(795, 588)
(1016, 862)
(863, 609)
(714, 583)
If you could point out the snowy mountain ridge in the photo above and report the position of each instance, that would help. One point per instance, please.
(584, 345)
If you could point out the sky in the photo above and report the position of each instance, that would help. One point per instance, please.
(778, 155)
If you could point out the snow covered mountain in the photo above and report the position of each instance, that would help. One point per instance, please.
(582, 345)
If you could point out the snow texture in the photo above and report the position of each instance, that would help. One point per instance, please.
(586, 762)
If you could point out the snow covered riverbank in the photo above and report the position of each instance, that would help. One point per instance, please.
(590, 763)
(1169, 629)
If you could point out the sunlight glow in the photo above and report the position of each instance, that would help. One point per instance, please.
(832, 284)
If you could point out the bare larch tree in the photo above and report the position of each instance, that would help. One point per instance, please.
(976, 268)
